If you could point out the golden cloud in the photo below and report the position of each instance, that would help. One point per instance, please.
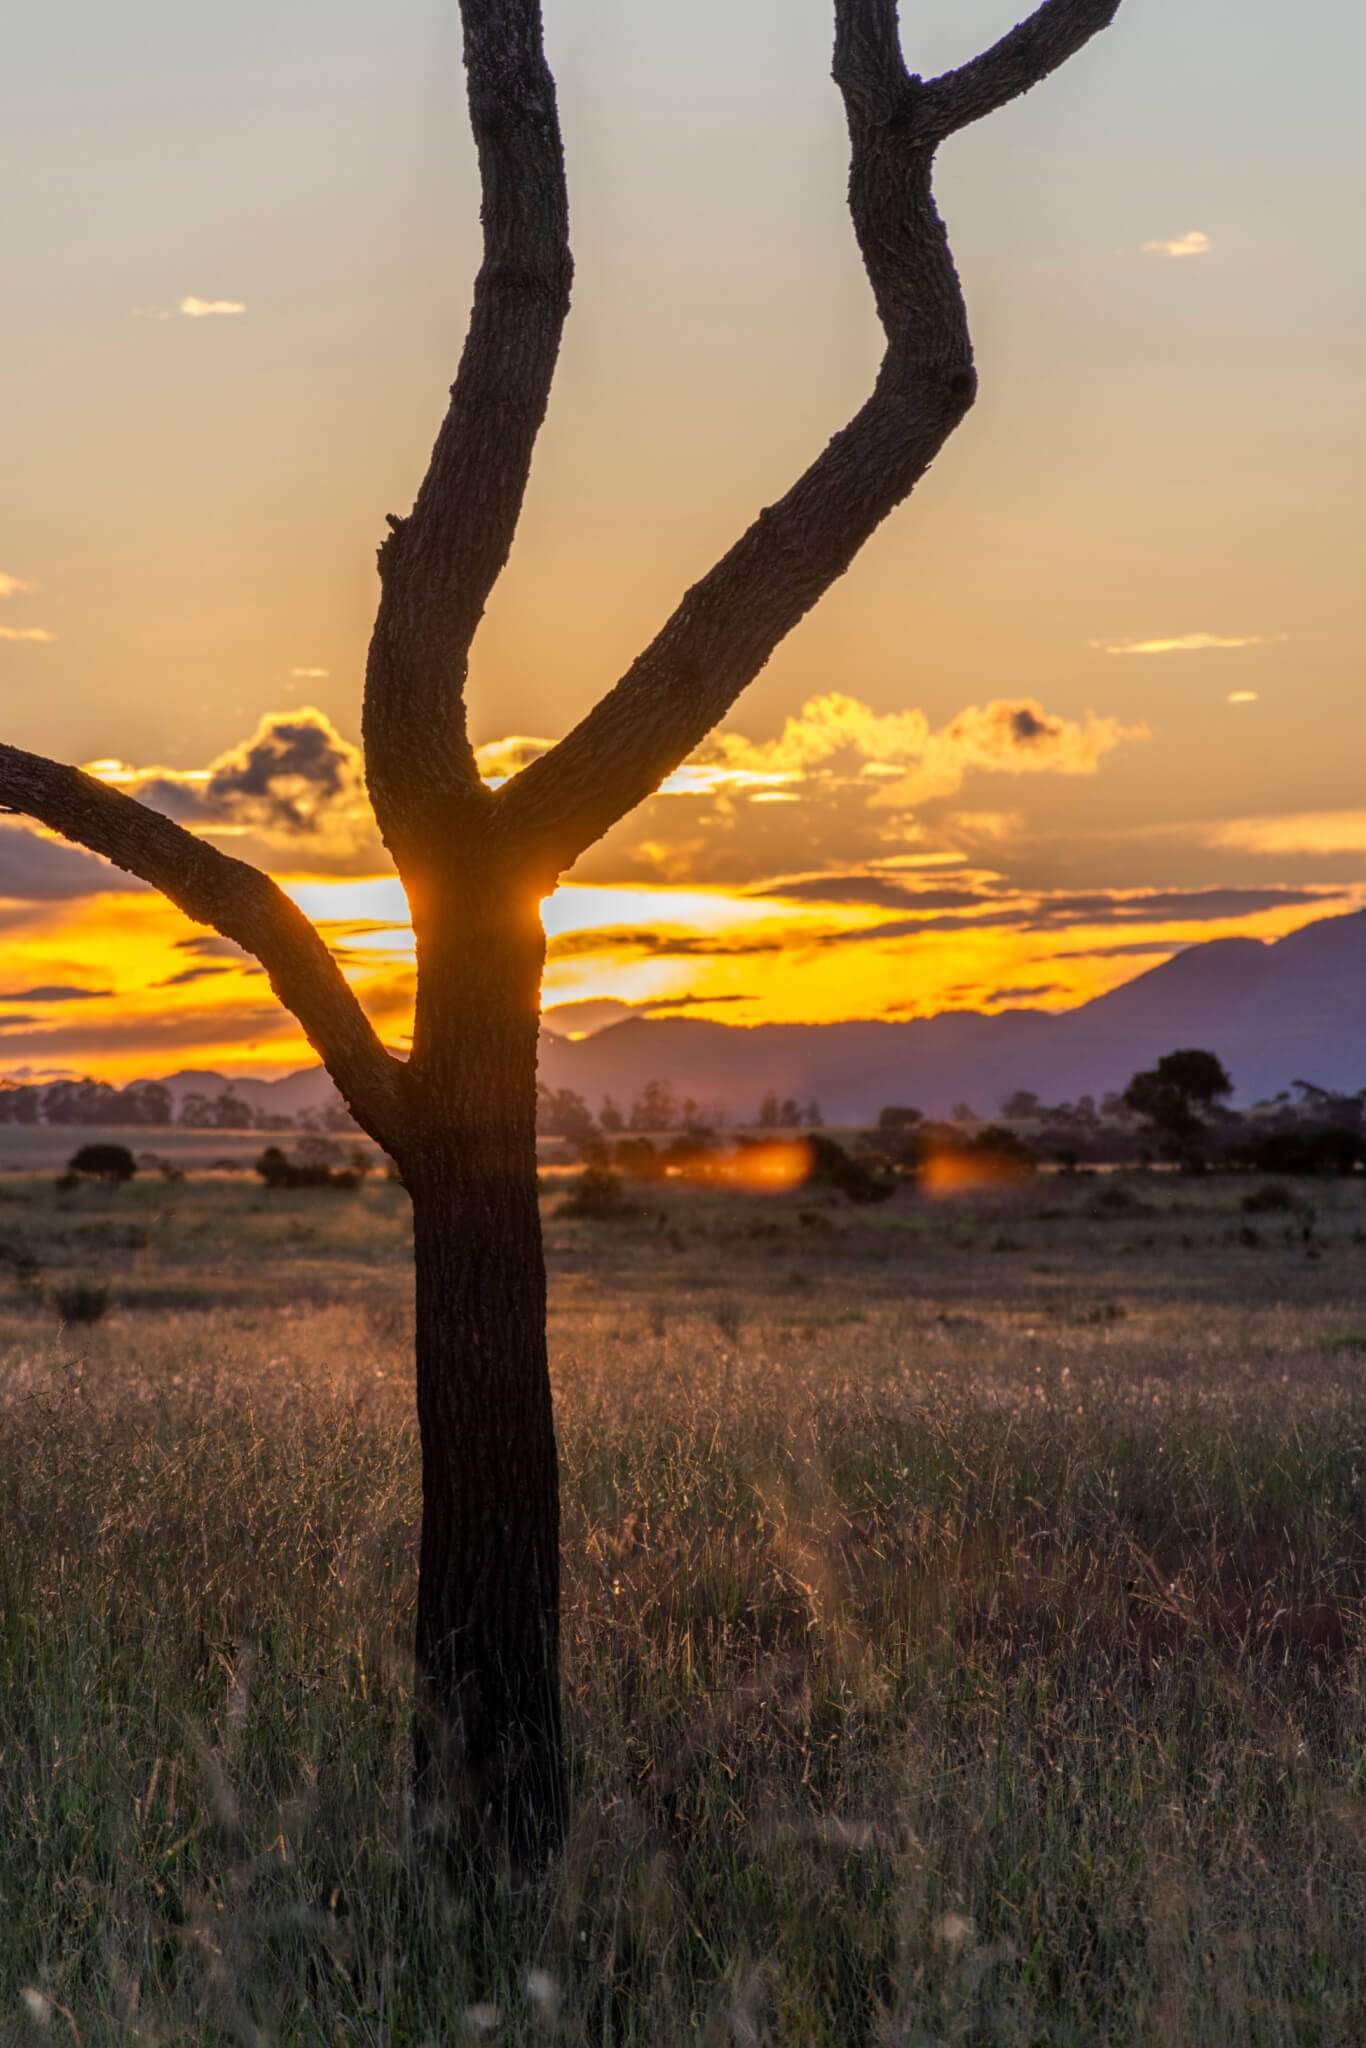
(296, 782)
(37, 633)
(902, 752)
(1196, 243)
(208, 309)
(1190, 643)
(1311, 832)
(12, 586)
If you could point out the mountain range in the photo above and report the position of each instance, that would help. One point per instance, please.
(1274, 1011)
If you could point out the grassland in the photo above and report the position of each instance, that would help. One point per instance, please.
(965, 1624)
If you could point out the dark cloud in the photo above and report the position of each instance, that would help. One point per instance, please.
(1026, 727)
(1186, 905)
(1134, 950)
(38, 870)
(1024, 995)
(659, 945)
(150, 1036)
(187, 975)
(686, 1003)
(55, 993)
(296, 777)
(211, 946)
(880, 891)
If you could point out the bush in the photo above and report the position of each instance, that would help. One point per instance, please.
(278, 1172)
(84, 1301)
(598, 1196)
(860, 1178)
(1316, 1149)
(1265, 1201)
(112, 1163)
(634, 1157)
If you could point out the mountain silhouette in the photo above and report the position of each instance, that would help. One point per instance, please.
(1274, 1012)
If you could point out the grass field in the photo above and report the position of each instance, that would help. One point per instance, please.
(965, 1624)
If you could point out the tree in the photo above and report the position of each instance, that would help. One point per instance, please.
(459, 1115)
(112, 1163)
(1169, 1096)
(147, 1102)
(655, 1108)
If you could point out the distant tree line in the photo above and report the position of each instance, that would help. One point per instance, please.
(1177, 1112)
(151, 1105)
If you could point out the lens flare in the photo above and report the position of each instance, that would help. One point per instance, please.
(763, 1169)
(957, 1173)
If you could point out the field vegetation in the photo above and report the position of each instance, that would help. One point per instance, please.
(965, 1620)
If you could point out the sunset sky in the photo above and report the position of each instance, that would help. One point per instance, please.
(1095, 693)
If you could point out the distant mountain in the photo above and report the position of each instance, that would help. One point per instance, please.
(1274, 1012)
(310, 1088)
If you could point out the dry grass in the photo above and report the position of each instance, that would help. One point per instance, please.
(974, 1662)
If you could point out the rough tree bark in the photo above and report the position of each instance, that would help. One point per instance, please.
(459, 1114)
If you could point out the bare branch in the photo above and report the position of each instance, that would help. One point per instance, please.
(237, 900)
(728, 624)
(439, 564)
(1055, 32)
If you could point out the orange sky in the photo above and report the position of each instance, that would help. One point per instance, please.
(1092, 695)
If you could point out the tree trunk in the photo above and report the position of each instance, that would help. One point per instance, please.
(489, 1749)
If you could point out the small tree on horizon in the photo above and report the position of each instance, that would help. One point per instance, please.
(458, 1116)
(1171, 1095)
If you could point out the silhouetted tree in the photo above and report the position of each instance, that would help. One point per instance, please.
(459, 1115)
(1170, 1095)
(148, 1102)
(655, 1108)
(112, 1163)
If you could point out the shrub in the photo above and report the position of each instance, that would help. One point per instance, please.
(278, 1172)
(597, 1196)
(112, 1163)
(634, 1157)
(83, 1301)
(860, 1178)
(1264, 1201)
(1115, 1200)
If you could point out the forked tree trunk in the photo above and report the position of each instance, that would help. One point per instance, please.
(460, 1114)
(489, 1751)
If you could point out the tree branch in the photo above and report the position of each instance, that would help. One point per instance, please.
(1024, 57)
(237, 900)
(439, 564)
(728, 624)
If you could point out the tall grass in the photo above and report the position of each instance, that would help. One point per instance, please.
(929, 1680)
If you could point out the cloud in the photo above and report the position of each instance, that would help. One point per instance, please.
(877, 891)
(187, 975)
(905, 760)
(191, 308)
(296, 782)
(55, 993)
(308, 674)
(501, 759)
(658, 945)
(27, 633)
(37, 869)
(12, 586)
(1243, 696)
(1190, 643)
(1196, 243)
(1029, 992)
(1309, 832)
(895, 759)
(213, 946)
